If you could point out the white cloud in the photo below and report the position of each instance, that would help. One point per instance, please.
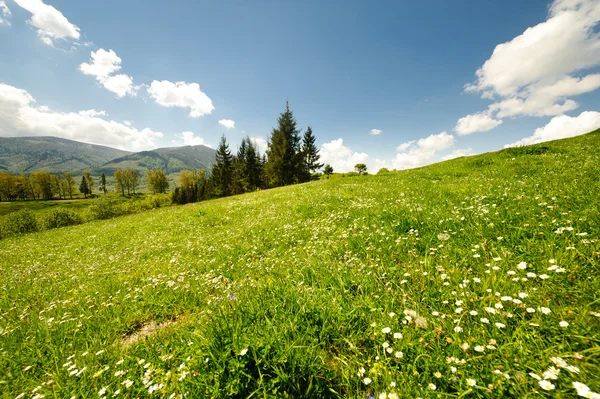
(414, 154)
(20, 117)
(189, 138)
(375, 132)
(340, 157)
(121, 85)
(90, 112)
(260, 143)
(561, 127)
(404, 146)
(183, 95)
(459, 152)
(228, 123)
(103, 65)
(51, 24)
(535, 73)
(4, 13)
(480, 122)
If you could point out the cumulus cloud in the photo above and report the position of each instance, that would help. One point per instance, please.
(89, 113)
(50, 23)
(340, 157)
(121, 85)
(414, 154)
(189, 138)
(375, 132)
(459, 152)
(19, 116)
(103, 65)
(535, 73)
(405, 146)
(480, 122)
(561, 127)
(183, 95)
(4, 13)
(227, 123)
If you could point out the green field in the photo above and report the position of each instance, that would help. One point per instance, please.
(472, 278)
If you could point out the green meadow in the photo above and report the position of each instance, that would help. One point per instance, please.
(471, 278)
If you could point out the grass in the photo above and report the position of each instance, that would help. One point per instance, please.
(470, 278)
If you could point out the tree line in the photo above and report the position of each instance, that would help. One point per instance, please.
(290, 158)
(38, 185)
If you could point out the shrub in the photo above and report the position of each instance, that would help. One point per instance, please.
(20, 222)
(61, 218)
(105, 208)
(156, 201)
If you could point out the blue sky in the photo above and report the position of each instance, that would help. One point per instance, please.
(166, 73)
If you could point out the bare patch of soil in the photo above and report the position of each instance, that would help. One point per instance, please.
(146, 330)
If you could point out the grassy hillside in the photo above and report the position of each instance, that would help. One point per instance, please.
(472, 278)
(171, 160)
(56, 155)
(52, 154)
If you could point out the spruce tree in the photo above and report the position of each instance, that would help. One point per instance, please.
(310, 155)
(240, 179)
(284, 158)
(252, 165)
(222, 169)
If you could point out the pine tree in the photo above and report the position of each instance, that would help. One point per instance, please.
(284, 158)
(252, 167)
(310, 155)
(222, 169)
(240, 178)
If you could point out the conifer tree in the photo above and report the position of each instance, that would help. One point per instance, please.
(310, 155)
(284, 158)
(240, 178)
(222, 169)
(252, 167)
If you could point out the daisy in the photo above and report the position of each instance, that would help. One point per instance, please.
(546, 385)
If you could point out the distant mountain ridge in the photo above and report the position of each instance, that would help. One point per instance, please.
(58, 155)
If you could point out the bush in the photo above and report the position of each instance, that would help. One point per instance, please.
(105, 209)
(156, 201)
(20, 222)
(61, 218)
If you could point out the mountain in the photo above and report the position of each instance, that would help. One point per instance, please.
(170, 159)
(52, 154)
(57, 155)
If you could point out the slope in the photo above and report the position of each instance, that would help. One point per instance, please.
(475, 277)
(52, 154)
(170, 159)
